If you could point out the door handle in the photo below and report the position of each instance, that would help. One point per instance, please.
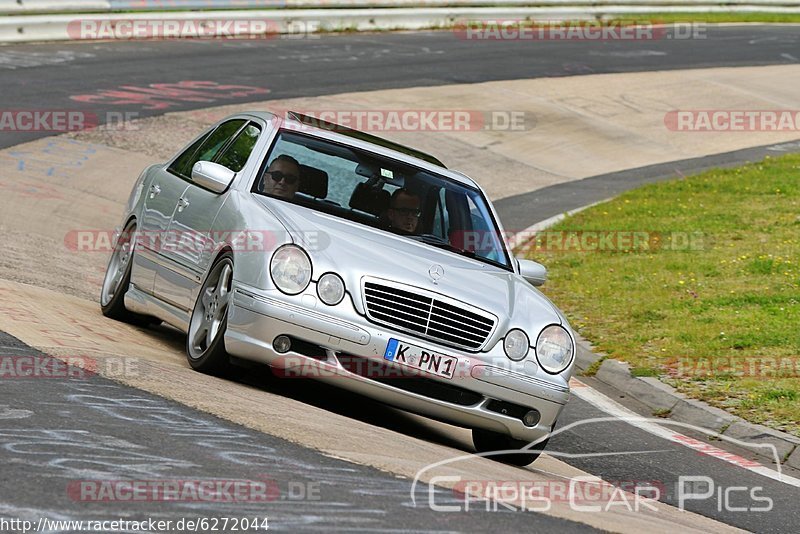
(183, 203)
(155, 189)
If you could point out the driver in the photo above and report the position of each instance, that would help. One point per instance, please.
(404, 210)
(282, 177)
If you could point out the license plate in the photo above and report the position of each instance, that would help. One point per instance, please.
(420, 358)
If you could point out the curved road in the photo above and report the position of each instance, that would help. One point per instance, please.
(50, 76)
(45, 76)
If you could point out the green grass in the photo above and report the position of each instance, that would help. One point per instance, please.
(710, 17)
(710, 300)
(594, 367)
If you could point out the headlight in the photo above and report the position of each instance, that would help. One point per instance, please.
(554, 349)
(330, 289)
(516, 345)
(290, 269)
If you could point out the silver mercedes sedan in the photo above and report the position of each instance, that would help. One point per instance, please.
(330, 253)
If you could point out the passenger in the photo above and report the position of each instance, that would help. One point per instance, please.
(404, 211)
(282, 177)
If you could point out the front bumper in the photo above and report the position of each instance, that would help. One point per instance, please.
(480, 395)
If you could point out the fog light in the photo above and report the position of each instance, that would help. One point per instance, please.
(282, 344)
(531, 418)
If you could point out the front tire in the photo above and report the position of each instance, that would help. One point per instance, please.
(118, 279)
(488, 441)
(205, 344)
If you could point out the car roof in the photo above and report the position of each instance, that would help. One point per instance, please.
(358, 139)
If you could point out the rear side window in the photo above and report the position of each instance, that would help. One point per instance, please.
(236, 155)
(207, 147)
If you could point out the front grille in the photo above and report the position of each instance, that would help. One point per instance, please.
(427, 316)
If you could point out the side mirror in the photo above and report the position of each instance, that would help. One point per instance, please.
(212, 176)
(534, 273)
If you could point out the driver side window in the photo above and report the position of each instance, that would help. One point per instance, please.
(205, 148)
(238, 152)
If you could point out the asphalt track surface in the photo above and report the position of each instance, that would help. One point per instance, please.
(87, 429)
(46, 76)
(515, 211)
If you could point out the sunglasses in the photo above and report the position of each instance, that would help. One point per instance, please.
(414, 212)
(277, 176)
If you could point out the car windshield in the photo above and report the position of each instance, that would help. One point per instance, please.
(382, 193)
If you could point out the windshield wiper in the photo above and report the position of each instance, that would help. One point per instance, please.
(436, 241)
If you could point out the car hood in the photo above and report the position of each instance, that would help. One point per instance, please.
(354, 250)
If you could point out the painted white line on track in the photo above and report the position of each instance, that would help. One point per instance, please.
(611, 407)
(523, 237)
